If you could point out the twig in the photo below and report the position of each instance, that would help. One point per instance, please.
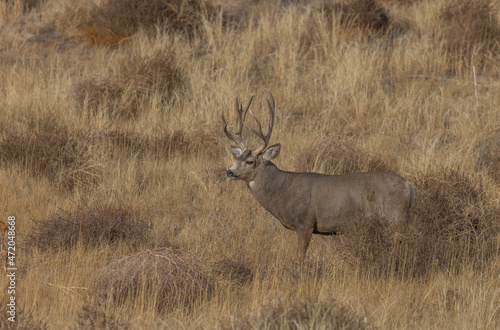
(475, 82)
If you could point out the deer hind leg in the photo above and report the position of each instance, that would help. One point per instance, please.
(303, 240)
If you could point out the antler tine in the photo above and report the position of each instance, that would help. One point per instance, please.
(236, 137)
(258, 132)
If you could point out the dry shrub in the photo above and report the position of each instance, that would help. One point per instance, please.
(454, 217)
(368, 244)
(47, 148)
(26, 319)
(488, 157)
(452, 204)
(470, 29)
(91, 316)
(93, 93)
(125, 17)
(235, 270)
(28, 5)
(333, 155)
(401, 2)
(215, 173)
(88, 225)
(139, 79)
(232, 13)
(159, 72)
(99, 38)
(307, 314)
(169, 279)
(367, 15)
(452, 223)
(163, 145)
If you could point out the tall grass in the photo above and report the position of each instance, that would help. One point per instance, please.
(112, 158)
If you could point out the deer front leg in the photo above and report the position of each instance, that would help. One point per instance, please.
(303, 240)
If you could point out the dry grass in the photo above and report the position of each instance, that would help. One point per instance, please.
(47, 148)
(489, 157)
(334, 155)
(166, 279)
(126, 17)
(364, 14)
(469, 31)
(88, 225)
(28, 320)
(99, 38)
(138, 78)
(299, 315)
(453, 223)
(122, 111)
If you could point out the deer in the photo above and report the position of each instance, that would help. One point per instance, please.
(312, 203)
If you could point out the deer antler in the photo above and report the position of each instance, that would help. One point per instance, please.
(258, 132)
(236, 137)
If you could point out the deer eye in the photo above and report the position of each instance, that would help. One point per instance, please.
(250, 162)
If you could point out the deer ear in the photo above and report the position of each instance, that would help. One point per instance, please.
(236, 152)
(271, 152)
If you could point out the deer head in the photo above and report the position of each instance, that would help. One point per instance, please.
(250, 162)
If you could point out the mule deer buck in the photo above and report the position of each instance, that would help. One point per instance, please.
(312, 203)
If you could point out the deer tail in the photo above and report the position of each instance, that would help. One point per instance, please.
(412, 193)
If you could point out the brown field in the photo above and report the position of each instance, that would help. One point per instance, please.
(113, 160)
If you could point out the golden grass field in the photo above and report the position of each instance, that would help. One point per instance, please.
(113, 160)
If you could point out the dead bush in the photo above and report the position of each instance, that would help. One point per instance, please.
(307, 314)
(158, 72)
(88, 225)
(92, 316)
(95, 93)
(333, 155)
(451, 203)
(451, 225)
(25, 319)
(368, 243)
(488, 157)
(47, 148)
(234, 270)
(454, 217)
(124, 94)
(125, 17)
(470, 31)
(168, 279)
(162, 145)
(28, 5)
(215, 173)
(367, 15)
(99, 38)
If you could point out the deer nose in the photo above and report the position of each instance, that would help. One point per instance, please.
(230, 174)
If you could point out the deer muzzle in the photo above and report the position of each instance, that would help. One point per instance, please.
(230, 174)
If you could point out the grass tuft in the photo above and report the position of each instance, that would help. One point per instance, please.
(167, 279)
(334, 155)
(367, 15)
(452, 224)
(126, 17)
(236, 270)
(470, 31)
(163, 145)
(89, 225)
(99, 38)
(299, 315)
(125, 94)
(488, 157)
(92, 316)
(47, 148)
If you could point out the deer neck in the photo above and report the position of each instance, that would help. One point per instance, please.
(268, 185)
